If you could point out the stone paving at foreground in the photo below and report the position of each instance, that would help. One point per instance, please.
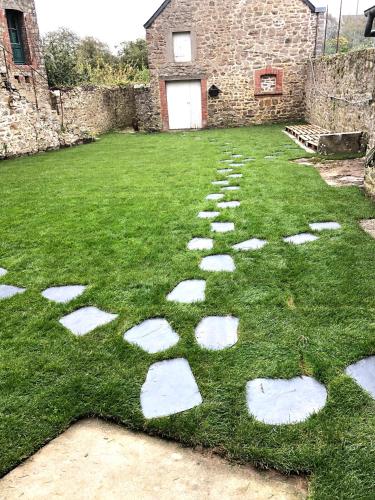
(170, 387)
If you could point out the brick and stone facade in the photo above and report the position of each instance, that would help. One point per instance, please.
(241, 47)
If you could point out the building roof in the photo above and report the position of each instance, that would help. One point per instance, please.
(309, 3)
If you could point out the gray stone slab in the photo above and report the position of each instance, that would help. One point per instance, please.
(237, 156)
(222, 227)
(283, 402)
(249, 245)
(188, 292)
(236, 164)
(214, 197)
(218, 263)
(63, 294)
(208, 215)
(225, 170)
(8, 291)
(226, 161)
(220, 183)
(231, 188)
(229, 204)
(300, 239)
(201, 244)
(86, 320)
(363, 373)
(235, 176)
(3, 272)
(216, 333)
(153, 335)
(170, 388)
(325, 226)
(248, 160)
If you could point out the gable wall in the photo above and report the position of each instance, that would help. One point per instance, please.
(233, 39)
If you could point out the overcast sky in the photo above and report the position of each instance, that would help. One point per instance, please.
(115, 21)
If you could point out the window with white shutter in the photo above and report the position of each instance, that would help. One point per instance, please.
(182, 47)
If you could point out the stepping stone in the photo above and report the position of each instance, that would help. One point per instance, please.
(249, 245)
(218, 263)
(236, 164)
(229, 204)
(208, 215)
(363, 373)
(226, 161)
(222, 227)
(270, 157)
(247, 160)
(214, 197)
(283, 402)
(220, 183)
(86, 320)
(225, 170)
(153, 335)
(325, 226)
(237, 156)
(3, 272)
(300, 239)
(63, 294)
(201, 244)
(188, 292)
(170, 388)
(235, 176)
(217, 333)
(8, 291)
(231, 188)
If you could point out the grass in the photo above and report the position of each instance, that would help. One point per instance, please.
(116, 215)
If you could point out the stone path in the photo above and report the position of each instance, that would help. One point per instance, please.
(170, 386)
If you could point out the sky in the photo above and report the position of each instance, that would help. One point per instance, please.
(115, 21)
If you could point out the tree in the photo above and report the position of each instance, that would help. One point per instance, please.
(92, 51)
(60, 50)
(134, 54)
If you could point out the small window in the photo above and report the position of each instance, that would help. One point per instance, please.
(15, 28)
(182, 47)
(268, 83)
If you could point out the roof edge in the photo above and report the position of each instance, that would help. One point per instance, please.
(316, 10)
(156, 14)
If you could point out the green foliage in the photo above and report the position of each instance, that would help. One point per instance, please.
(351, 34)
(134, 54)
(71, 61)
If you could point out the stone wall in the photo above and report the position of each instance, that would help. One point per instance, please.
(351, 78)
(232, 40)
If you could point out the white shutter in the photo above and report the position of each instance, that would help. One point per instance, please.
(182, 47)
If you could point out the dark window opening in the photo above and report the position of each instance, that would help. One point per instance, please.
(27, 79)
(16, 28)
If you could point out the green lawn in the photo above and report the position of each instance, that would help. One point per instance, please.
(116, 215)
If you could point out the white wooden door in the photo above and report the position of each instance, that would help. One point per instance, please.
(184, 104)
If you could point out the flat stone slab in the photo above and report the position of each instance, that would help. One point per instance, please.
(218, 263)
(208, 215)
(300, 239)
(215, 197)
(236, 164)
(201, 244)
(188, 292)
(222, 227)
(224, 170)
(283, 402)
(235, 176)
(231, 188)
(229, 204)
(8, 291)
(220, 183)
(86, 320)
(226, 161)
(250, 245)
(3, 272)
(63, 294)
(216, 333)
(270, 157)
(170, 388)
(363, 373)
(237, 156)
(325, 226)
(153, 335)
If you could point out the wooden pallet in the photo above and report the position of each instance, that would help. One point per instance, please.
(308, 135)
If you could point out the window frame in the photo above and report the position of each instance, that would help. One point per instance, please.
(170, 47)
(268, 71)
(16, 25)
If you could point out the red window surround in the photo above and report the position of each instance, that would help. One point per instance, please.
(268, 71)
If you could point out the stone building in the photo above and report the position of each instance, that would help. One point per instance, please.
(223, 63)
